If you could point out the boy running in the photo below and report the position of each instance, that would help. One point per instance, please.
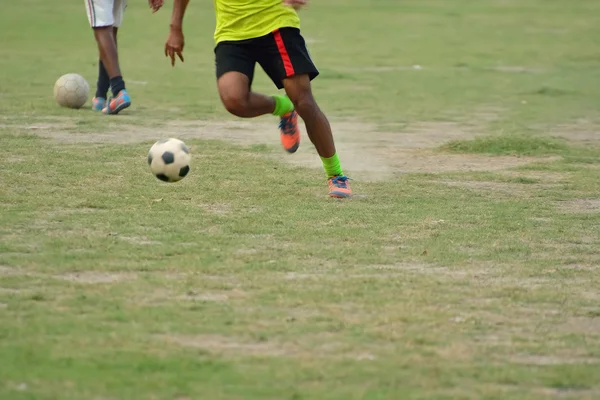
(105, 17)
(267, 32)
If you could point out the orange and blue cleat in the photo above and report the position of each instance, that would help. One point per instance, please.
(289, 132)
(117, 104)
(339, 187)
(98, 103)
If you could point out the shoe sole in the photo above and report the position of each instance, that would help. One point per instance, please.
(292, 149)
(119, 108)
(339, 195)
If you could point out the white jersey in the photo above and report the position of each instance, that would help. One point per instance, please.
(105, 12)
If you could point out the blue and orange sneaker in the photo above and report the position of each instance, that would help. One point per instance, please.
(117, 104)
(289, 132)
(98, 103)
(339, 187)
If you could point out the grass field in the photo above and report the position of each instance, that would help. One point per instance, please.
(467, 266)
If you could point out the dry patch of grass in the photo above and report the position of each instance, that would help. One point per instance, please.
(96, 277)
(580, 205)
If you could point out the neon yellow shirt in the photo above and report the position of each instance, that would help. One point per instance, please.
(249, 19)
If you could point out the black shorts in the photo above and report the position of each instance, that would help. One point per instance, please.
(281, 54)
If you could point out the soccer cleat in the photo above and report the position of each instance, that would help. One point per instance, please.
(289, 132)
(339, 187)
(117, 104)
(98, 103)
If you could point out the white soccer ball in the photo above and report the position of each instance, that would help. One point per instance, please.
(71, 90)
(169, 160)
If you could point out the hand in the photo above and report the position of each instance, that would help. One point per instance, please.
(295, 4)
(174, 44)
(155, 5)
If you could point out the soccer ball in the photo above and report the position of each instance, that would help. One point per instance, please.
(71, 90)
(169, 160)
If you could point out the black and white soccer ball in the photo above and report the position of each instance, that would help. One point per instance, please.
(169, 160)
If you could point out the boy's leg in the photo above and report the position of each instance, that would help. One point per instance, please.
(286, 60)
(102, 86)
(107, 48)
(104, 16)
(239, 100)
(319, 131)
(103, 83)
(235, 71)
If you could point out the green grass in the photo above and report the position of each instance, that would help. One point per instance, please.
(244, 281)
(510, 145)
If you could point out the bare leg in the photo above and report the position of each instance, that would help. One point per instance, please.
(234, 89)
(103, 83)
(299, 91)
(107, 46)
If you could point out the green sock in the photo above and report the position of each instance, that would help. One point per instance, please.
(332, 166)
(283, 105)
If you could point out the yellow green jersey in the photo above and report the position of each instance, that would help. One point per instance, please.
(249, 19)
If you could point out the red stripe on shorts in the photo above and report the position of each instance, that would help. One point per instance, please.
(287, 63)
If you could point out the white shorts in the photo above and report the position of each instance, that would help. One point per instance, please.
(105, 12)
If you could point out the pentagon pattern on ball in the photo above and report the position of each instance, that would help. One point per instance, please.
(169, 160)
(71, 85)
(71, 91)
(168, 157)
(184, 171)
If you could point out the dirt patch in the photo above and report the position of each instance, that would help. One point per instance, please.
(581, 326)
(543, 176)
(508, 189)
(581, 206)
(94, 277)
(72, 211)
(6, 270)
(529, 359)
(216, 208)
(12, 291)
(245, 252)
(15, 159)
(235, 346)
(138, 240)
(214, 296)
(208, 297)
(346, 276)
(427, 269)
(311, 346)
(42, 127)
(386, 272)
(88, 277)
(581, 131)
(367, 152)
(568, 393)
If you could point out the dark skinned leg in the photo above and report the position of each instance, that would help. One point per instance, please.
(103, 79)
(107, 46)
(318, 129)
(239, 100)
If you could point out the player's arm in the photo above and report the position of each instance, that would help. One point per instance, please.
(175, 41)
(179, 7)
